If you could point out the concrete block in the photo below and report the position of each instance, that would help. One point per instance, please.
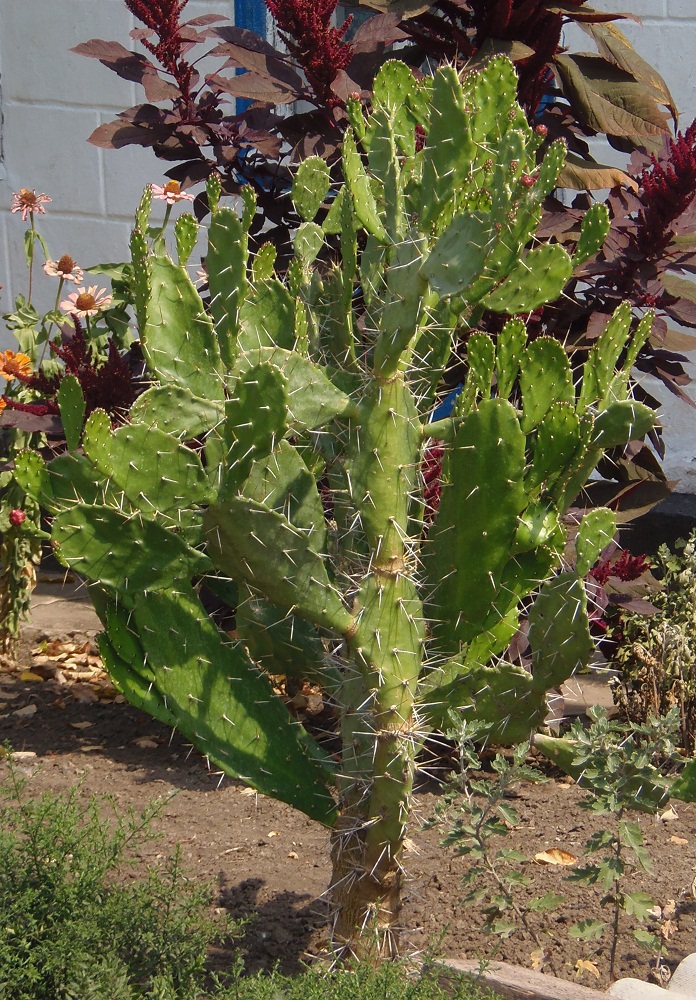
(37, 63)
(45, 148)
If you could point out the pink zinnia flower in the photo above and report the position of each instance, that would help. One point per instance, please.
(86, 302)
(27, 202)
(65, 268)
(171, 192)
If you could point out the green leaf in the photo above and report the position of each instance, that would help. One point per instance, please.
(684, 787)
(637, 904)
(549, 901)
(587, 930)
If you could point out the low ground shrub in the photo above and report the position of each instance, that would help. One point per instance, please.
(74, 925)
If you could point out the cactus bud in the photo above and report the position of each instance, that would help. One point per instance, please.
(528, 180)
(541, 130)
(17, 517)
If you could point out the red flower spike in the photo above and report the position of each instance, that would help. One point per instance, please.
(307, 29)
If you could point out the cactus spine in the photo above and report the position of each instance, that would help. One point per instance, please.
(301, 499)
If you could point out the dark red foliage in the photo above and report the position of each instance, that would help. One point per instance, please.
(431, 471)
(668, 187)
(107, 386)
(307, 29)
(162, 18)
(626, 568)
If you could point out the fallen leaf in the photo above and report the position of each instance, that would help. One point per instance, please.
(584, 965)
(247, 791)
(20, 755)
(538, 958)
(555, 856)
(83, 694)
(668, 928)
(669, 815)
(26, 711)
(669, 911)
(145, 742)
(81, 725)
(92, 748)
(273, 833)
(679, 840)
(293, 854)
(28, 675)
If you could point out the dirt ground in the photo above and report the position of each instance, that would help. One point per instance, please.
(269, 862)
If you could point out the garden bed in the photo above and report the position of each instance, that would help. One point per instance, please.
(66, 724)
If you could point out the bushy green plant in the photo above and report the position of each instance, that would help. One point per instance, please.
(275, 460)
(395, 981)
(615, 762)
(477, 814)
(72, 926)
(657, 653)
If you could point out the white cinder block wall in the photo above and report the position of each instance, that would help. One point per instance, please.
(52, 99)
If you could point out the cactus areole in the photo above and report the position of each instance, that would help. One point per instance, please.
(276, 459)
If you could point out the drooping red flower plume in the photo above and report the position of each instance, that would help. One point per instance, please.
(306, 27)
(668, 188)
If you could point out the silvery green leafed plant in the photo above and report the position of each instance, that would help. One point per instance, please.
(276, 459)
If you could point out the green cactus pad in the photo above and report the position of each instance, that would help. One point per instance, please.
(557, 441)
(538, 278)
(259, 546)
(126, 553)
(600, 367)
(480, 354)
(449, 148)
(309, 240)
(622, 422)
(596, 531)
(226, 706)
(482, 497)
(175, 410)
(310, 187)
(511, 341)
(559, 632)
(178, 339)
(156, 473)
(282, 643)
(267, 318)
(593, 232)
(135, 688)
(226, 264)
(256, 419)
(186, 234)
(32, 475)
(71, 403)
(545, 379)
(460, 254)
(361, 190)
(313, 400)
(213, 190)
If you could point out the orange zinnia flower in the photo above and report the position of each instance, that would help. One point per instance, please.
(12, 365)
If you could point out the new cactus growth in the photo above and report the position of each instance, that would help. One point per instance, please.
(276, 458)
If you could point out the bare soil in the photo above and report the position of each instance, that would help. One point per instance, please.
(269, 862)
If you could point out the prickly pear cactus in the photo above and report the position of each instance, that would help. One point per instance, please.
(276, 460)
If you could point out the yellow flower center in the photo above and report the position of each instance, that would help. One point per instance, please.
(85, 302)
(65, 264)
(172, 187)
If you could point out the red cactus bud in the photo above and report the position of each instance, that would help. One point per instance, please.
(17, 517)
(354, 95)
(528, 180)
(541, 130)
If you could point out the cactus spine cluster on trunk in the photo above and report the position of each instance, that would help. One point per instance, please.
(276, 459)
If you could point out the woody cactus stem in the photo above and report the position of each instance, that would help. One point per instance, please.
(303, 504)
